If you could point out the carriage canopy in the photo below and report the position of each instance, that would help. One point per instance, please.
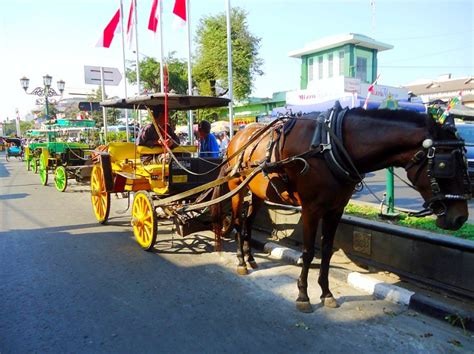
(176, 102)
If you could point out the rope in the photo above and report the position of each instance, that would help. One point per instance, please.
(225, 161)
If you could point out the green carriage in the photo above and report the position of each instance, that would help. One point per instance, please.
(37, 139)
(65, 161)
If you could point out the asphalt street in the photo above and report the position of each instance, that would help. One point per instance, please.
(68, 284)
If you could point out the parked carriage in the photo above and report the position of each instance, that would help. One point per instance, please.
(13, 148)
(173, 179)
(38, 139)
(66, 161)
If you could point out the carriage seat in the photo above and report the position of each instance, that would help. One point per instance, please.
(145, 150)
(124, 155)
(121, 151)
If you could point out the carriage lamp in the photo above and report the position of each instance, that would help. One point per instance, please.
(44, 92)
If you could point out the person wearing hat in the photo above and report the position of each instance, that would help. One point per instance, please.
(148, 136)
(208, 145)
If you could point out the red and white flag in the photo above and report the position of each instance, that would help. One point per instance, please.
(370, 91)
(153, 20)
(131, 23)
(109, 32)
(179, 10)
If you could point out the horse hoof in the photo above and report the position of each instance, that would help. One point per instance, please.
(253, 264)
(330, 302)
(242, 270)
(304, 306)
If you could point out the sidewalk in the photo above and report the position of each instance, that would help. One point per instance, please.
(380, 284)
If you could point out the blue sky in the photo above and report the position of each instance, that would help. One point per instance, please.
(57, 37)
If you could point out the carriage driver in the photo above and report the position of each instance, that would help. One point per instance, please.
(148, 135)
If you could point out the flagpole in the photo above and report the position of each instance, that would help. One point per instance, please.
(229, 72)
(127, 130)
(137, 57)
(190, 80)
(160, 28)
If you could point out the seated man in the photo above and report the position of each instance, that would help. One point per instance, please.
(148, 135)
(208, 145)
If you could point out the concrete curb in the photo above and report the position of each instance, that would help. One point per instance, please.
(417, 302)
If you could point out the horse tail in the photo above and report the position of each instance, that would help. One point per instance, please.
(217, 212)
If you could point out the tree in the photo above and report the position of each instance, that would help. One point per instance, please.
(150, 74)
(112, 113)
(9, 127)
(211, 54)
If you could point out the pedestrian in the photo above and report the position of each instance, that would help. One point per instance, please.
(224, 139)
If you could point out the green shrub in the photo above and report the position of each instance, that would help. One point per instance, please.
(426, 223)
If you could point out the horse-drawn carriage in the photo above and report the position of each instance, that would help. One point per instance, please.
(65, 160)
(173, 177)
(36, 139)
(313, 161)
(13, 148)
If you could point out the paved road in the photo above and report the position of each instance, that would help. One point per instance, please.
(405, 197)
(68, 284)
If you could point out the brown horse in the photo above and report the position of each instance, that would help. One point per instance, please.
(317, 164)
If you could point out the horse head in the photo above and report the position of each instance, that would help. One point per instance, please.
(439, 172)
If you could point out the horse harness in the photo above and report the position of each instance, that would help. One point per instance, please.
(327, 141)
(442, 158)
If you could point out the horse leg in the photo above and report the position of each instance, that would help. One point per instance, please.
(247, 232)
(329, 226)
(237, 201)
(310, 227)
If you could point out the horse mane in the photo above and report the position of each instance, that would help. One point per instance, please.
(402, 115)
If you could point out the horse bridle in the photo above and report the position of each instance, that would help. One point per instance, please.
(442, 158)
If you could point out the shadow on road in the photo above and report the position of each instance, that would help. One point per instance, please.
(13, 196)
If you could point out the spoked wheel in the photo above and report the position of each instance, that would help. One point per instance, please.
(34, 164)
(43, 170)
(144, 220)
(60, 178)
(99, 196)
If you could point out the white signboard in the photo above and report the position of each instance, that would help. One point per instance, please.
(112, 76)
(338, 87)
(382, 92)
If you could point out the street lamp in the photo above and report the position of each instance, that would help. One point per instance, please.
(46, 91)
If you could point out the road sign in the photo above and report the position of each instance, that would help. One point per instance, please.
(89, 106)
(112, 76)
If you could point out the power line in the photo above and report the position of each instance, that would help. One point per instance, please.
(429, 36)
(427, 66)
(436, 53)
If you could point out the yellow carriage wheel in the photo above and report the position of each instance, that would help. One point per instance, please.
(144, 220)
(99, 196)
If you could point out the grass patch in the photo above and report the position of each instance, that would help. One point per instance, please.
(426, 223)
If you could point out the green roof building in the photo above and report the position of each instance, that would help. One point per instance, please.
(349, 55)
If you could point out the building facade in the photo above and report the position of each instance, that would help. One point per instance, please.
(348, 55)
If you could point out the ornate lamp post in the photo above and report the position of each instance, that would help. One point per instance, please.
(46, 91)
